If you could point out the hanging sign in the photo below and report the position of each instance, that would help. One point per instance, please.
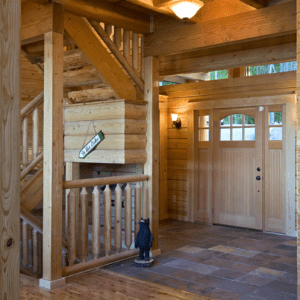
(91, 145)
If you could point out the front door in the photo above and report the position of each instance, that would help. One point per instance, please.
(237, 167)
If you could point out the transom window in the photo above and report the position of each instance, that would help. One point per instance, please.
(237, 127)
(203, 128)
(275, 126)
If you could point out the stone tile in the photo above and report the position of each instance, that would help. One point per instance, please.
(207, 254)
(247, 298)
(256, 262)
(198, 288)
(218, 263)
(187, 275)
(266, 256)
(283, 286)
(241, 267)
(180, 263)
(277, 252)
(175, 283)
(268, 293)
(163, 259)
(243, 252)
(189, 249)
(219, 294)
(212, 281)
(229, 274)
(287, 260)
(163, 269)
(223, 249)
(292, 254)
(291, 243)
(231, 257)
(286, 247)
(279, 266)
(238, 287)
(203, 269)
(254, 280)
(265, 272)
(148, 276)
(289, 277)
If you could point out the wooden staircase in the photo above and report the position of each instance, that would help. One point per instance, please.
(87, 78)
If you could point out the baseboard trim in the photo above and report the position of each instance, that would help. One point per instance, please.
(50, 285)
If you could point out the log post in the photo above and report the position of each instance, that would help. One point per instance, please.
(135, 51)
(10, 145)
(53, 151)
(118, 218)
(107, 220)
(84, 239)
(138, 207)
(126, 44)
(25, 253)
(96, 221)
(71, 228)
(35, 133)
(128, 216)
(151, 167)
(25, 142)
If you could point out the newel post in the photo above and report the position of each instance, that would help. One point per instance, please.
(151, 167)
(9, 148)
(53, 151)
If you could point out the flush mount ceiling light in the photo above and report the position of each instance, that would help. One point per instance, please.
(185, 9)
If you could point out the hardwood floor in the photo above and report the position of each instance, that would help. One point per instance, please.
(102, 284)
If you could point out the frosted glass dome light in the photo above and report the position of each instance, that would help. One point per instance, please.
(186, 9)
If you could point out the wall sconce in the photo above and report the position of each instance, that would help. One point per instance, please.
(185, 9)
(176, 121)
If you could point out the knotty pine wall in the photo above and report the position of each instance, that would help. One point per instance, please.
(177, 161)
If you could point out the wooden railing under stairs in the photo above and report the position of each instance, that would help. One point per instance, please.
(105, 247)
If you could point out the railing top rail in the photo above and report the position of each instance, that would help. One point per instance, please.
(32, 105)
(71, 184)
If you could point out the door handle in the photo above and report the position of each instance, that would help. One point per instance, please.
(258, 178)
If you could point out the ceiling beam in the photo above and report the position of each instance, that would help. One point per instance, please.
(179, 64)
(256, 3)
(109, 13)
(278, 20)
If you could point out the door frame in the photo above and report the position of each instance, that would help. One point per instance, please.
(193, 106)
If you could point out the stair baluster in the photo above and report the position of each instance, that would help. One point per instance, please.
(84, 239)
(107, 219)
(96, 222)
(138, 207)
(128, 216)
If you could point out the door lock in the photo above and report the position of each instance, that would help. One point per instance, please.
(258, 177)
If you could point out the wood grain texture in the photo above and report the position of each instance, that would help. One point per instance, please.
(96, 222)
(9, 142)
(53, 155)
(151, 167)
(107, 219)
(118, 218)
(81, 32)
(84, 239)
(278, 20)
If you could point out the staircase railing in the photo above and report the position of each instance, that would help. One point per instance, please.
(30, 113)
(105, 247)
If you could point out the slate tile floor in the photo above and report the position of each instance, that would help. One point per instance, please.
(221, 262)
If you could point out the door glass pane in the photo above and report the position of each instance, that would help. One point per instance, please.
(237, 134)
(203, 135)
(249, 121)
(249, 134)
(275, 118)
(225, 121)
(237, 120)
(225, 134)
(276, 133)
(204, 121)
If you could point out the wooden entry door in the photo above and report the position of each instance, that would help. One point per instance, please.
(237, 167)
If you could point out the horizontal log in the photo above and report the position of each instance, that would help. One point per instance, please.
(114, 126)
(110, 142)
(115, 109)
(32, 105)
(178, 185)
(99, 262)
(269, 22)
(84, 76)
(90, 95)
(71, 184)
(180, 64)
(108, 156)
(280, 80)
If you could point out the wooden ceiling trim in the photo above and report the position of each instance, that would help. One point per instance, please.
(85, 38)
(206, 87)
(250, 57)
(278, 20)
(109, 13)
(256, 3)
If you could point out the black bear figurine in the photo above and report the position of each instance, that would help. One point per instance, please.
(144, 240)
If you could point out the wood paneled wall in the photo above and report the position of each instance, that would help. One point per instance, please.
(177, 160)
